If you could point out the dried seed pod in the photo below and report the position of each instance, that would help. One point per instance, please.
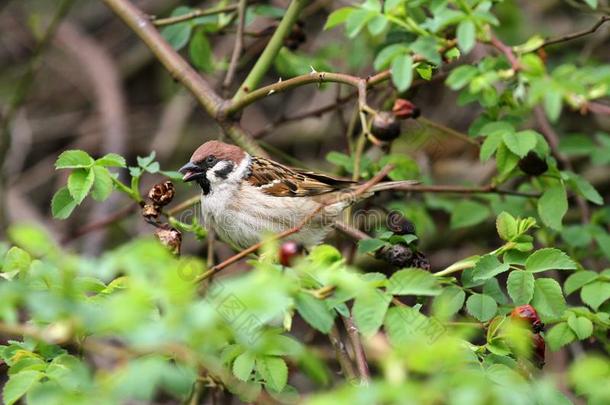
(420, 261)
(400, 225)
(171, 238)
(385, 127)
(150, 211)
(398, 255)
(404, 109)
(289, 251)
(162, 193)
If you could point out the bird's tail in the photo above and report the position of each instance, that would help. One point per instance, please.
(394, 185)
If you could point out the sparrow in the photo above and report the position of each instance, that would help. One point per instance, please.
(245, 197)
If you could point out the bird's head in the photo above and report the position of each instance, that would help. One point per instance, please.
(215, 162)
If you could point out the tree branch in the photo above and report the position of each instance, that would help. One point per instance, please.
(273, 47)
(579, 34)
(160, 22)
(506, 50)
(239, 43)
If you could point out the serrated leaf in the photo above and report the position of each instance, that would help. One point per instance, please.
(413, 282)
(468, 213)
(79, 184)
(314, 312)
(559, 336)
(481, 306)
(577, 280)
(548, 299)
(369, 245)
(73, 159)
(243, 366)
(465, 34)
(111, 160)
(506, 225)
(402, 72)
(520, 286)
(552, 206)
(448, 302)
(488, 266)
(369, 311)
(595, 293)
(549, 259)
(520, 142)
(274, 371)
(62, 204)
(102, 184)
(581, 326)
(18, 384)
(177, 35)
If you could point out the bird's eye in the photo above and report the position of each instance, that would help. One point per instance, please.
(210, 160)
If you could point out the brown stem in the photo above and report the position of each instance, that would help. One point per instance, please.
(100, 224)
(360, 356)
(160, 22)
(239, 43)
(569, 37)
(341, 354)
(506, 50)
(598, 108)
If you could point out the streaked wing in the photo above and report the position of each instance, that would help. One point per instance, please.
(281, 181)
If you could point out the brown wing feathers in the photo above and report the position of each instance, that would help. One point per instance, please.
(275, 179)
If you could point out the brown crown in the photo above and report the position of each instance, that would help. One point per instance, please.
(221, 150)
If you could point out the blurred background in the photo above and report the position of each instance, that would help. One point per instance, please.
(95, 86)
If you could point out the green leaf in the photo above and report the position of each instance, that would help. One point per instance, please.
(552, 206)
(16, 259)
(461, 76)
(18, 384)
(520, 142)
(314, 312)
(369, 245)
(506, 160)
(178, 34)
(73, 159)
(559, 336)
(506, 225)
(596, 293)
(577, 280)
(548, 299)
(552, 103)
(111, 160)
(468, 213)
(592, 3)
(520, 286)
(79, 184)
(426, 47)
(448, 302)
(369, 311)
(200, 52)
(584, 188)
(402, 72)
(102, 184)
(243, 366)
(413, 282)
(582, 327)
(466, 35)
(378, 24)
(62, 204)
(481, 306)
(274, 371)
(487, 267)
(356, 20)
(549, 259)
(337, 17)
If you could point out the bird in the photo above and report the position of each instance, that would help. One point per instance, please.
(246, 197)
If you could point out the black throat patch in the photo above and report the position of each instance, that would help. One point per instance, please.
(204, 183)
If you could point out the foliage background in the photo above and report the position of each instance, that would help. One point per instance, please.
(105, 312)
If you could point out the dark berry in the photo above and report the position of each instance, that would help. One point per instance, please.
(399, 224)
(296, 36)
(289, 251)
(533, 164)
(398, 255)
(404, 109)
(420, 261)
(385, 126)
(529, 314)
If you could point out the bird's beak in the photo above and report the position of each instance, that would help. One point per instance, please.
(191, 171)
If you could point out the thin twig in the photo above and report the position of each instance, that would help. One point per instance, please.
(160, 22)
(506, 50)
(341, 354)
(239, 43)
(597, 108)
(359, 355)
(100, 224)
(579, 34)
(363, 188)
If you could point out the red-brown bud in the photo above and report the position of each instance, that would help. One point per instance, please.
(404, 109)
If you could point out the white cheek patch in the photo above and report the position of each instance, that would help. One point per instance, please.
(220, 171)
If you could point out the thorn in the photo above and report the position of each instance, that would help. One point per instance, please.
(312, 69)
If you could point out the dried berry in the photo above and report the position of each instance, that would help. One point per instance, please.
(385, 126)
(398, 255)
(420, 261)
(150, 211)
(171, 238)
(162, 193)
(539, 350)
(533, 164)
(289, 251)
(404, 109)
(399, 224)
(529, 314)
